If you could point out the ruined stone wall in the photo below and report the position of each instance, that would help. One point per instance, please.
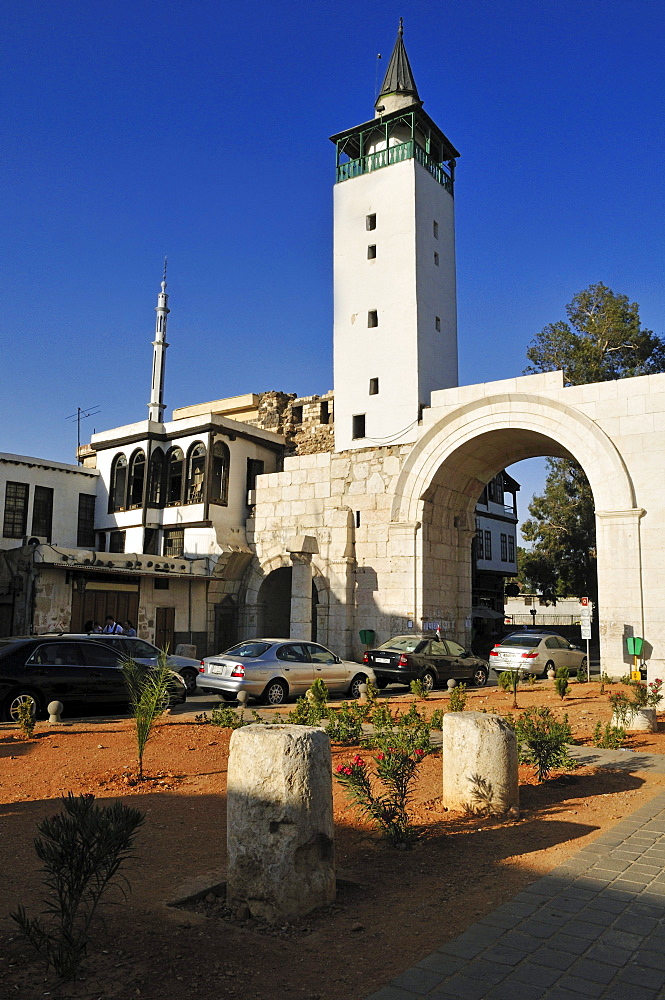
(307, 422)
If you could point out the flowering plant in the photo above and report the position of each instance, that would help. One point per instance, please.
(647, 696)
(384, 795)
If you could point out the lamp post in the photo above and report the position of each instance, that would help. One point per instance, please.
(533, 614)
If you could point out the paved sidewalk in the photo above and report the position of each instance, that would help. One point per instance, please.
(591, 928)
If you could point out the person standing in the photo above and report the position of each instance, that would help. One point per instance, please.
(129, 629)
(112, 627)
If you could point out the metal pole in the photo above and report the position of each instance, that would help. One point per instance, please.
(588, 662)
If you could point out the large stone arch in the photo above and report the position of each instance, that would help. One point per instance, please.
(308, 567)
(441, 478)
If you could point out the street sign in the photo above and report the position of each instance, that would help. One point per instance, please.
(584, 601)
(586, 629)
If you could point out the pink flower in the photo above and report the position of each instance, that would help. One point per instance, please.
(340, 768)
(358, 761)
(380, 756)
(419, 752)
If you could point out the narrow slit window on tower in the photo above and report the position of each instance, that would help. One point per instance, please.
(435, 229)
(372, 318)
(358, 426)
(357, 518)
(436, 258)
(370, 222)
(324, 412)
(296, 414)
(374, 387)
(437, 323)
(371, 251)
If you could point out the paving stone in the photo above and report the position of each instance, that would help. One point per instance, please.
(597, 972)
(392, 993)
(489, 972)
(584, 986)
(651, 959)
(511, 990)
(464, 987)
(553, 959)
(464, 949)
(576, 945)
(601, 952)
(535, 975)
(518, 939)
(622, 939)
(640, 975)
(635, 924)
(577, 927)
(445, 965)
(624, 991)
(610, 905)
(505, 956)
(419, 981)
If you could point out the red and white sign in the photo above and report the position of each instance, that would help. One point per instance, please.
(584, 601)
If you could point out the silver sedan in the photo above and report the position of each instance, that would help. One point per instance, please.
(536, 653)
(273, 670)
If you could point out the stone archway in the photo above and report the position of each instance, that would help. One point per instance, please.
(444, 473)
(273, 596)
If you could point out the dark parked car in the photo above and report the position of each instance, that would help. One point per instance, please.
(81, 672)
(131, 647)
(431, 660)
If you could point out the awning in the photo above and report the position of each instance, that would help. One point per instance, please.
(486, 613)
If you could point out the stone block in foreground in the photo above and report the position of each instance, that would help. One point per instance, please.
(280, 821)
(479, 763)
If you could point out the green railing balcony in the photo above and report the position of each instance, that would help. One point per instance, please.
(394, 154)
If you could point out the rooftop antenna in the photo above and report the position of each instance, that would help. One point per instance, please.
(81, 414)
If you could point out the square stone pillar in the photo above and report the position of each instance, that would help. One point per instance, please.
(301, 549)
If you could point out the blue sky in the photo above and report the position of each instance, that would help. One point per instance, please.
(199, 130)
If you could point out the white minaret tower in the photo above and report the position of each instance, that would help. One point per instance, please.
(156, 406)
(395, 306)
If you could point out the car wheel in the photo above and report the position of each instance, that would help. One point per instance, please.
(275, 693)
(190, 677)
(548, 666)
(165, 700)
(428, 680)
(20, 698)
(354, 687)
(381, 685)
(479, 677)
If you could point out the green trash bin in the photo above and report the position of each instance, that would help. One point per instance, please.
(367, 636)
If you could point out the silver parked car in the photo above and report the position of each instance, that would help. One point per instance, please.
(536, 653)
(275, 669)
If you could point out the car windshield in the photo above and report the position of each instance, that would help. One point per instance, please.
(404, 643)
(528, 641)
(248, 650)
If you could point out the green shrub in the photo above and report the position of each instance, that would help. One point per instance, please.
(542, 740)
(384, 795)
(81, 850)
(608, 737)
(26, 718)
(561, 685)
(223, 716)
(436, 719)
(622, 708)
(346, 724)
(581, 675)
(506, 680)
(419, 690)
(605, 679)
(457, 701)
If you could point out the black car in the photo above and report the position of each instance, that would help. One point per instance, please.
(431, 660)
(80, 672)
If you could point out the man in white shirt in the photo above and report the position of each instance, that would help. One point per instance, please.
(112, 626)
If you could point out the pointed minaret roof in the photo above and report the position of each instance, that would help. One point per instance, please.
(399, 88)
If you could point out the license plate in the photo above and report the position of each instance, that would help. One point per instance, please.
(381, 659)
(216, 668)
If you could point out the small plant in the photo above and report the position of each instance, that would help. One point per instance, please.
(436, 719)
(223, 716)
(605, 679)
(418, 690)
(148, 698)
(384, 796)
(542, 740)
(608, 737)
(457, 698)
(26, 718)
(81, 850)
(622, 708)
(506, 680)
(531, 680)
(646, 696)
(625, 679)
(312, 707)
(561, 685)
(381, 717)
(372, 693)
(581, 675)
(346, 725)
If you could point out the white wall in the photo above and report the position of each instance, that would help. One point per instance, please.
(66, 481)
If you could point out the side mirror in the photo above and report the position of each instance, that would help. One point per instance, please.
(338, 659)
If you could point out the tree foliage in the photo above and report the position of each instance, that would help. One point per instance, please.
(603, 340)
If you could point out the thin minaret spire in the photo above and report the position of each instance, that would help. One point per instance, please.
(156, 406)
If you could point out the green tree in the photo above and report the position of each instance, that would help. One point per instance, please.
(603, 340)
